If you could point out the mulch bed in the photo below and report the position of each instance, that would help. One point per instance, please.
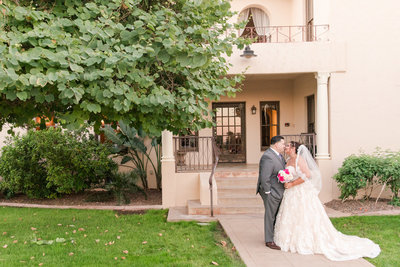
(91, 198)
(361, 206)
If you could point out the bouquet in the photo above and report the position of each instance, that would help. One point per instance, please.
(285, 176)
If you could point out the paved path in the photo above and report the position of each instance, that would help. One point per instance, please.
(247, 234)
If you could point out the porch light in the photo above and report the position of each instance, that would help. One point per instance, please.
(248, 53)
(253, 110)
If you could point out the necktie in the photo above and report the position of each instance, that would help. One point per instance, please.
(282, 158)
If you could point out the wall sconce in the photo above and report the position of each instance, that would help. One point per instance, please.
(248, 53)
(253, 110)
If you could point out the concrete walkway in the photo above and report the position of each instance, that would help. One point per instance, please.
(246, 231)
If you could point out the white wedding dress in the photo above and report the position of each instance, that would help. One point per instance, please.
(303, 226)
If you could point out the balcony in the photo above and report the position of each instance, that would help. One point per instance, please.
(289, 49)
(286, 34)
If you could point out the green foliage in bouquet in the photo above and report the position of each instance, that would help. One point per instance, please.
(51, 162)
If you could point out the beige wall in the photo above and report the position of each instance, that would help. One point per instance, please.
(280, 12)
(4, 135)
(364, 111)
(257, 89)
(298, 57)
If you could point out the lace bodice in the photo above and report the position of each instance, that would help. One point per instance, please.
(292, 170)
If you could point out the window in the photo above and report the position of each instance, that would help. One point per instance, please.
(269, 112)
(310, 114)
(257, 25)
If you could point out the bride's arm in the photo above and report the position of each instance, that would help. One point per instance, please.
(304, 169)
(294, 183)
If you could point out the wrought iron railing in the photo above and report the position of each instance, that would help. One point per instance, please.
(193, 153)
(196, 154)
(307, 139)
(286, 34)
(216, 153)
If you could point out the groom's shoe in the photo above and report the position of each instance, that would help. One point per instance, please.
(272, 245)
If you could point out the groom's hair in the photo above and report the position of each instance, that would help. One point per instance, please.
(276, 139)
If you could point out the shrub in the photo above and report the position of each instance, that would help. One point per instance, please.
(51, 162)
(123, 183)
(130, 145)
(389, 173)
(363, 171)
(357, 172)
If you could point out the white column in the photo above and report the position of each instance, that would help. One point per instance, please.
(167, 146)
(168, 170)
(322, 116)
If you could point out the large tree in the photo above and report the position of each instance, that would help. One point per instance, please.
(155, 63)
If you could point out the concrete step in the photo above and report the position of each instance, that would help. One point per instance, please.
(235, 200)
(226, 174)
(237, 181)
(194, 208)
(231, 190)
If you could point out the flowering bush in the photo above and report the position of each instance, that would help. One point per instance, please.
(285, 176)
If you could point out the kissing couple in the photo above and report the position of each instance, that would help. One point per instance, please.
(295, 219)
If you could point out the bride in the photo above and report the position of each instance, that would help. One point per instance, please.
(302, 225)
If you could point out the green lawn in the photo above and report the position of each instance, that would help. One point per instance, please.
(383, 230)
(104, 238)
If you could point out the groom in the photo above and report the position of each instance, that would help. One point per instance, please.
(269, 188)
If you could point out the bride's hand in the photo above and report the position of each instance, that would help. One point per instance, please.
(288, 185)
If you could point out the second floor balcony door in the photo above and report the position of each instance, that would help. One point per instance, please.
(229, 131)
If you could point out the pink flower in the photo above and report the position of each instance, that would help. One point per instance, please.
(287, 171)
(281, 178)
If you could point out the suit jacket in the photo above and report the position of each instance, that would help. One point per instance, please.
(270, 165)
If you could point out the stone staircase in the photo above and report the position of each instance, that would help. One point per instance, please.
(236, 193)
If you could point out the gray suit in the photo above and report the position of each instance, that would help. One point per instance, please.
(270, 165)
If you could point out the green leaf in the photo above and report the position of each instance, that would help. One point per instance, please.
(11, 74)
(95, 108)
(183, 59)
(126, 159)
(22, 95)
(20, 13)
(75, 67)
(49, 98)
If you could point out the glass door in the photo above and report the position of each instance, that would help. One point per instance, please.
(229, 131)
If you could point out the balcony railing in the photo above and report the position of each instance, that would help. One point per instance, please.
(194, 153)
(286, 34)
(307, 139)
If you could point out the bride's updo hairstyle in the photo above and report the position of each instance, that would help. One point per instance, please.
(295, 145)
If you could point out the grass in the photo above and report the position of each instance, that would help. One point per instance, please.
(106, 238)
(383, 230)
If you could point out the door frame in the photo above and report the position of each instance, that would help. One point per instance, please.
(242, 124)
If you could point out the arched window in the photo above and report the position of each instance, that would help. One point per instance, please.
(257, 25)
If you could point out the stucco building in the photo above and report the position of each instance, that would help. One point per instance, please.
(325, 73)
